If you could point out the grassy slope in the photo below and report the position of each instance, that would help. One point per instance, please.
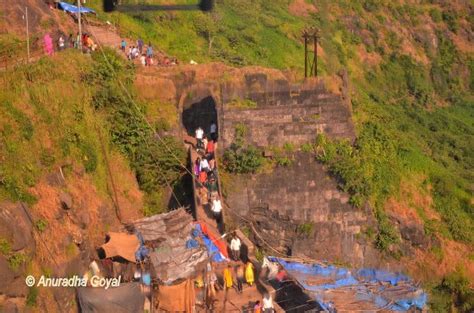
(46, 120)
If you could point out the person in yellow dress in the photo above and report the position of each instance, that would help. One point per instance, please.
(228, 277)
(249, 276)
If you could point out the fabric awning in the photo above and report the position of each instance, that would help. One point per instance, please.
(123, 245)
(74, 9)
(123, 299)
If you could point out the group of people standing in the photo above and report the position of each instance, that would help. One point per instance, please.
(144, 53)
(138, 51)
(205, 168)
(64, 42)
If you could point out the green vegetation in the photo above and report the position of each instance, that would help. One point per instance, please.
(242, 158)
(49, 105)
(41, 225)
(32, 296)
(78, 107)
(305, 229)
(156, 161)
(453, 291)
(243, 104)
(15, 259)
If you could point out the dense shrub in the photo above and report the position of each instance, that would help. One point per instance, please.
(158, 162)
(453, 292)
(241, 157)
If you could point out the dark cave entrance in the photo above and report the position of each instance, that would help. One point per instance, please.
(200, 114)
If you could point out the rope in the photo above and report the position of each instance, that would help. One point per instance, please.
(39, 235)
(118, 212)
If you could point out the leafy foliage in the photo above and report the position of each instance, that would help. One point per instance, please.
(242, 158)
(158, 162)
(453, 291)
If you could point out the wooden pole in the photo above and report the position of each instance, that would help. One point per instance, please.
(27, 36)
(80, 24)
(305, 36)
(315, 55)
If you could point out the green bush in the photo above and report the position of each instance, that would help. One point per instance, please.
(32, 296)
(305, 229)
(436, 15)
(5, 247)
(454, 292)
(242, 158)
(89, 156)
(451, 19)
(41, 225)
(157, 162)
(15, 260)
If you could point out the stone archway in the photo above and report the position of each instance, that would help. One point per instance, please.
(199, 113)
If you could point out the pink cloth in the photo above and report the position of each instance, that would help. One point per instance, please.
(48, 44)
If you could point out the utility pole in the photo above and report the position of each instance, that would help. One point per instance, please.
(305, 36)
(80, 24)
(315, 61)
(27, 36)
(308, 35)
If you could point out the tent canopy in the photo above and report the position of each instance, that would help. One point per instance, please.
(123, 299)
(74, 9)
(123, 245)
(337, 288)
(167, 236)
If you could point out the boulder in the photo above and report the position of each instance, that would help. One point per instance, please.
(66, 200)
(55, 180)
(16, 227)
(7, 276)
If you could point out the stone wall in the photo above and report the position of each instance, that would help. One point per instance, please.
(283, 202)
(285, 111)
(302, 196)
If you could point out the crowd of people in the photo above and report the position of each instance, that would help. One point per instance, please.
(145, 54)
(205, 169)
(64, 42)
(241, 270)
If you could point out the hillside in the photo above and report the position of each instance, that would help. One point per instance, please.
(411, 71)
(410, 65)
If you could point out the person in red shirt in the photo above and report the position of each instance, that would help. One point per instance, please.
(210, 149)
(202, 177)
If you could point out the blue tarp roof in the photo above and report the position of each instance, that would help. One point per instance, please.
(368, 287)
(74, 9)
(212, 249)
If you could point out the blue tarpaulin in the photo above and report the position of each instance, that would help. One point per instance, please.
(212, 249)
(370, 287)
(74, 9)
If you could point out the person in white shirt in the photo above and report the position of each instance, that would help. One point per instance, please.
(216, 209)
(199, 135)
(61, 43)
(204, 165)
(267, 304)
(235, 247)
(135, 52)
